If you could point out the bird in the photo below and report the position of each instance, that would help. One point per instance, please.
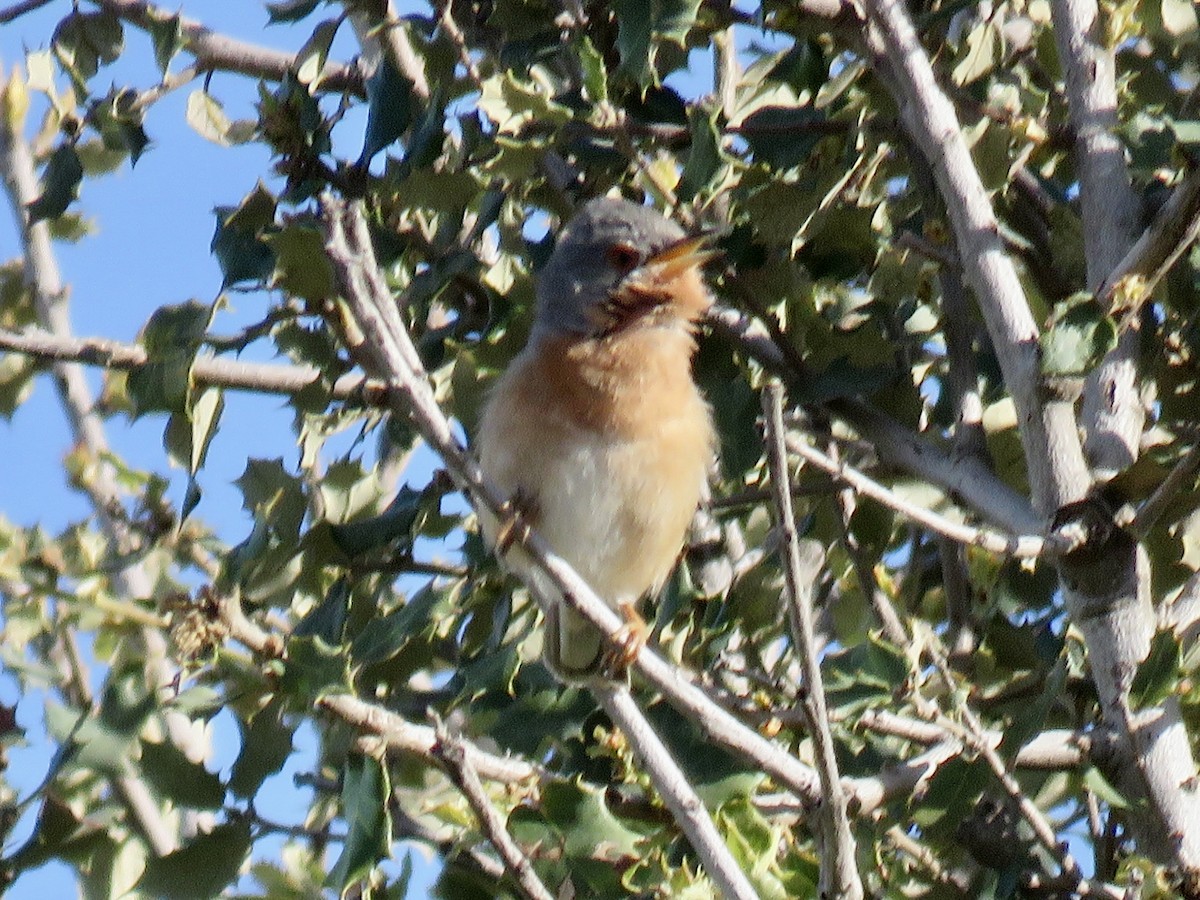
(597, 432)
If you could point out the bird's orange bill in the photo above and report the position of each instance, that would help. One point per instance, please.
(677, 258)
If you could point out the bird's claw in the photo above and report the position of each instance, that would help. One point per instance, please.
(514, 521)
(629, 640)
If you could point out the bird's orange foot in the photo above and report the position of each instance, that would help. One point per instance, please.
(518, 512)
(630, 640)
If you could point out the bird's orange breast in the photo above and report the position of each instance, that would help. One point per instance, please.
(611, 441)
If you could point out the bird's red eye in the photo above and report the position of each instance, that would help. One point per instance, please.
(623, 257)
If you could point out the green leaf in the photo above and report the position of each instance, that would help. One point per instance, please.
(238, 241)
(643, 24)
(202, 868)
(207, 117)
(979, 54)
(327, 620)
(1158, 676)
(782, 137)
(301, 267)
(704, 158)
(60, 184)
(595, 75)
(83, 41)
(311, 58)
(166, 34)
(315, 667)
(175, 776)
(365, 795)
(204, 414)
(266, 745)
(1079, 335)
(586, 822)
(389, 112)
(1095, 781)
(804, 67)
(393, 524)
(383, 636)
(119, 122)
(290, 10)
(513, 104)
(952, 792)
(171, 340)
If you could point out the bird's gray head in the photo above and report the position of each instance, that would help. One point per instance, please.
(608, 247)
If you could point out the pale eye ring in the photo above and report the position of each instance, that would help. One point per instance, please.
(623, 257)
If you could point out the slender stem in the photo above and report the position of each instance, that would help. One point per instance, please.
(672, 785)
(451, 750)
(802, 562)
(1020, 546)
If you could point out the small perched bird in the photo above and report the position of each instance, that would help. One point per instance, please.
(596, 431)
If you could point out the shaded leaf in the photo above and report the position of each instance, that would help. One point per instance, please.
(60, 184)
(202, 868)
(1158, 676)
(365, 794)
(390, 109)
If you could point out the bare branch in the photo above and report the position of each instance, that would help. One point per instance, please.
(1052, 451)
(216, 52)
(1109, 207)
(19, 9)
(1154, 254)
(1019, 546)
(397, 733)
(672, 785)
(271, 378)
(839, 872)
(1156, 504)
(452, 751)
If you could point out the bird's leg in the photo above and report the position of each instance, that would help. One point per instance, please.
(630, 639)
(516, 517)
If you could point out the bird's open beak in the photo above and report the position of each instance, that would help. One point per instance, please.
(675, 259)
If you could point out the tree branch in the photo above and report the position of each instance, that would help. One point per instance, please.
(216, 52)
(452, 752)
(1053, 454)
(1174, 229)
(397, 733)
(672, 785)
(839, 871)
(1019, 546)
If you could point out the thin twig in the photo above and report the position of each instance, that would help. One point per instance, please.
(672, 785)
(397, 733)
(839, 873)
(217, 52)
(210, 371)
(19, 9)
(452, 751)
(1174, 229)
(1156, 504)
(1020, 546)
